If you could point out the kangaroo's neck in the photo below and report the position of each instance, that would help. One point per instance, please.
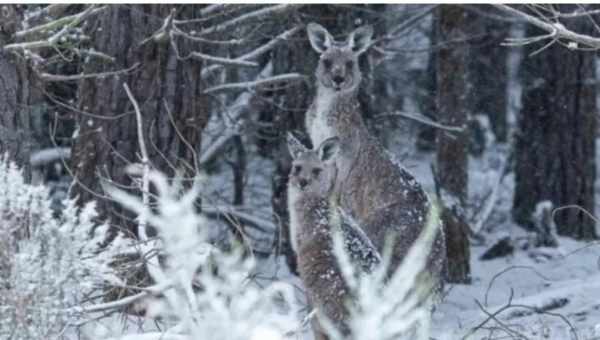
(318, 217)
(334, 114)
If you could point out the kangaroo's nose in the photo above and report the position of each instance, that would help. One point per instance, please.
(302, 182)
(338, 79)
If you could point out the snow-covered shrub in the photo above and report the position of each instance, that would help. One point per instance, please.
(47, 264)
(206, 293)
(390, 308)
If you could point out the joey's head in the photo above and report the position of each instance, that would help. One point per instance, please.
(338, 68)
(313, 171)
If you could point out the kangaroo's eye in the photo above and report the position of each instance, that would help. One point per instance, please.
(296, 170)
(316, 172)
(327, 63)
(349, 64)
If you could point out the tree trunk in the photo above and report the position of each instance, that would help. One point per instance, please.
(555, 142)
(287, 116)
(452, 159)
(168, 90)
(488, 73)
(17, 96)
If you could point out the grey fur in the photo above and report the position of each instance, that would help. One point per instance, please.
(385, 199)
(316, 216)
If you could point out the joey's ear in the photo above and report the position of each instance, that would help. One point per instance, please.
(329, 149)
(360, 39)
(295, 146)
(319, 37)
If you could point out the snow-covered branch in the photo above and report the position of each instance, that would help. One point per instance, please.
(257, 52)
(63, 25)
(260, 14)
(257, 84)
(555, 30)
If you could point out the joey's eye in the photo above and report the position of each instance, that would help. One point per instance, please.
(349, 64)
(327, 63)
(296, 170)
(316, 172)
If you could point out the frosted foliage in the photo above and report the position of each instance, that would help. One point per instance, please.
(206, 291)
(384, 308)
(47, 264)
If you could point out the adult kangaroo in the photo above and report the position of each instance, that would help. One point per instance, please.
(381, 195)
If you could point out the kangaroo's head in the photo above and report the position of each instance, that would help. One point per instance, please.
(313, 171)
(338, 65)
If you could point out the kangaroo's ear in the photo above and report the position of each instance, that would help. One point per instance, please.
(360, 39)
(319, 37)
(329, 149)
(295, 146)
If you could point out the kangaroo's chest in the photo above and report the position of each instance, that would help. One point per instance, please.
(322, 124)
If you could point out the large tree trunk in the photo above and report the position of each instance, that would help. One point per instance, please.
(17, 95)
(106, 141)
(452, 158)
(555, 142)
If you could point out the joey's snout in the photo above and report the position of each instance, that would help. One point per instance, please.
(302, 182)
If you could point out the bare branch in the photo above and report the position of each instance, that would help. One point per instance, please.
(143, 223)
(58, 23)
(282, 78)
(73, 21)
(223, 61)
(262, 13)
(555, 30)
(59, 77)
(424, 120)
(257, 52)
(232, 211)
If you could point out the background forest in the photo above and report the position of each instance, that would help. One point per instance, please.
(493, 108)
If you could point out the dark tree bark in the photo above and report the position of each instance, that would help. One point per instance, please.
(287, 116)
(18, 95)
(488, 73)
(107, 138)
(555, 142)
(427, 92)
(452, 158)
